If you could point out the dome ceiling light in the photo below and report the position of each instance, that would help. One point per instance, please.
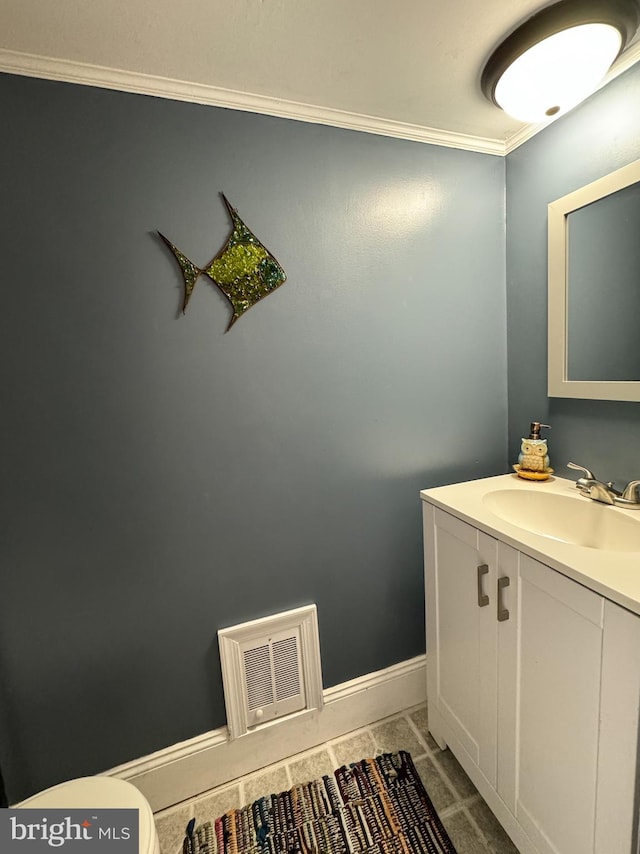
(558, 57)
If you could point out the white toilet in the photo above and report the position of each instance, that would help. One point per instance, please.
(100, 793)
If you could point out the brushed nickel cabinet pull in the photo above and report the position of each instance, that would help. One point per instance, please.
(483, 599)
(503, 613)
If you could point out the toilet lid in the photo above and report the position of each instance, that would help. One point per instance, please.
(99, 793)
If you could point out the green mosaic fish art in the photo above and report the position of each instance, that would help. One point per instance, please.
(244, 270)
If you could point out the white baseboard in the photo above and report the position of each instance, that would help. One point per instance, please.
(184, 770)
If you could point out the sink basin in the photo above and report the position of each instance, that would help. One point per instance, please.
(567, 519)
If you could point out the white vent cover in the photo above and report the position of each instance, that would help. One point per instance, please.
(270, 668)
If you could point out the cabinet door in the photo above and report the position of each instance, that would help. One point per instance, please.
(549, 696)
(461, 636)
(616, 799)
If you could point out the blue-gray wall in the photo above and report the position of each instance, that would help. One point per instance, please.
(163, 479)
(601, 135)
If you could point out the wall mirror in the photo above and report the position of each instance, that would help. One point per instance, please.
(594, 289)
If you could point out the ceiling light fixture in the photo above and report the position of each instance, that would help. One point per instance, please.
(557, 58)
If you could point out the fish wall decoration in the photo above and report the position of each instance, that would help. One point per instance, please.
(244, 270)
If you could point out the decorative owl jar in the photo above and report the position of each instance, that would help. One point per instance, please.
(533, 460)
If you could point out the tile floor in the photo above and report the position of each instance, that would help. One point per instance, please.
(469, 822)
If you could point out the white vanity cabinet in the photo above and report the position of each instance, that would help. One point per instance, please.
(534, 684)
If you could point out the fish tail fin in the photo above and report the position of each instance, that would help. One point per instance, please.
(189, 270)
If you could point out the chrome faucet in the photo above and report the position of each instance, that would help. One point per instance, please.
(591, 487)
(631, 494)
(606, 493)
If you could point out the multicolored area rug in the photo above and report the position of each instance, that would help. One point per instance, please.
(375, 806)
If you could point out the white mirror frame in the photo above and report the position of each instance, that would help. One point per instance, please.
(558, 211)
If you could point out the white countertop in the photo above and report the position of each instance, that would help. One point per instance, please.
(614, 574)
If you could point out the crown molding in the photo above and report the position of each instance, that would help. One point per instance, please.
(48, 68)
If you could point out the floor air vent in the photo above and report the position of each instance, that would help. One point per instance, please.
(270, 668)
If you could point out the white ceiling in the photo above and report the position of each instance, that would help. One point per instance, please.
(408, 68)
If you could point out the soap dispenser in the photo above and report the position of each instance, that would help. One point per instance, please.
(533, 461)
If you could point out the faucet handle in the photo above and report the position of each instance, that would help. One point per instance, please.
(589, 475)
(630, 492)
